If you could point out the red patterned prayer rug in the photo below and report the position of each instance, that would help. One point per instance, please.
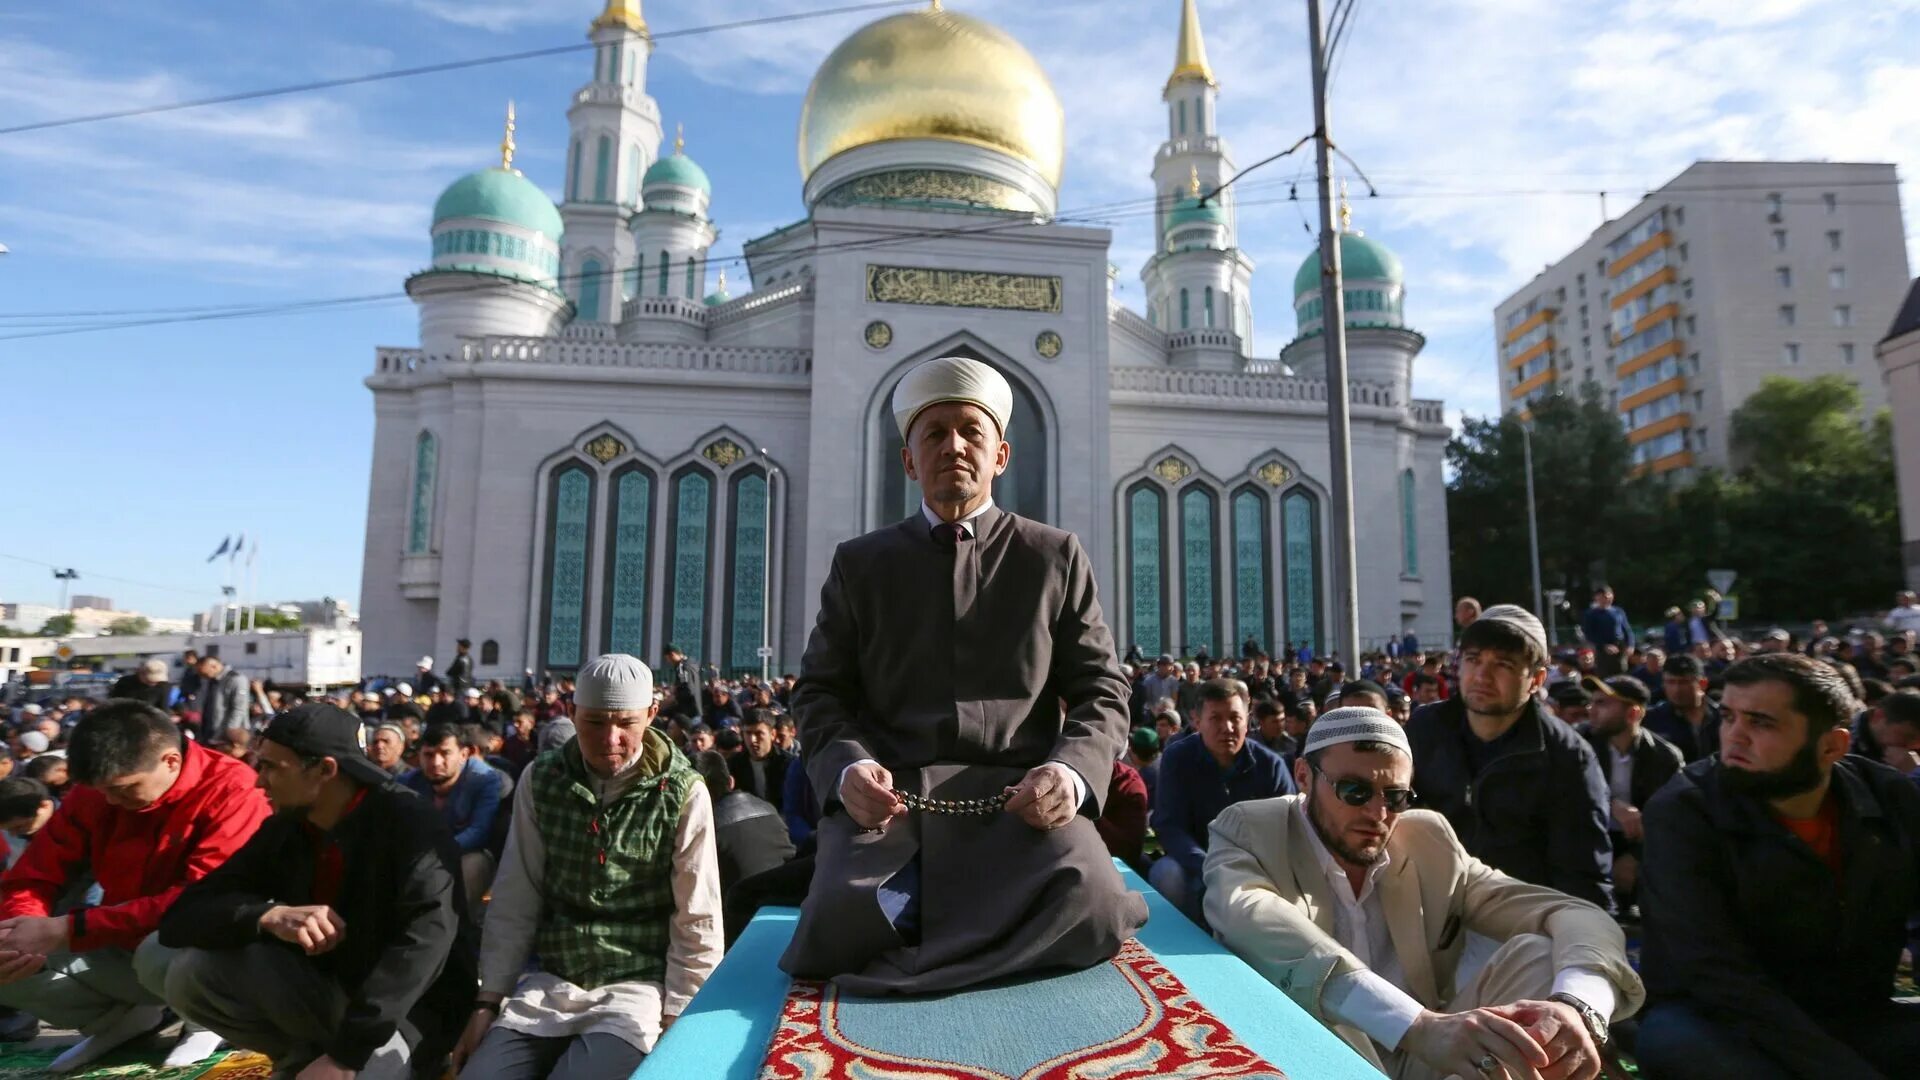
(1127, 1019)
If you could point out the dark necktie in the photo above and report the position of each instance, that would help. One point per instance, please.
(949, 533)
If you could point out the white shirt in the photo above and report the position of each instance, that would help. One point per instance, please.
(935, 520)
(1905, 618)
(1620, 773)
(1375, 999)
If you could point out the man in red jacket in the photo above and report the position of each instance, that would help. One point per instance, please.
(150, 812)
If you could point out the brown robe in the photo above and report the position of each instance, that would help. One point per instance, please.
(960, 668)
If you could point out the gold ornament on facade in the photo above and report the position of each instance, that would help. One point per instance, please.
(1049, 345)
(929, 185)
(878, 335)
(933, 74)
(723, 452)
(1190, 52)
(963, 288)
(1273, 474)
(1172, 469)
(605, 448)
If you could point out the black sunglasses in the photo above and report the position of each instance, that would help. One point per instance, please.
(1360, 792)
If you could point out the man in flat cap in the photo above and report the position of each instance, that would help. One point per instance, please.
(1359, 907)
(609, 879)
(960, 709)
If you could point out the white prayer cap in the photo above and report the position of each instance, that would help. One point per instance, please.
(952, 378)
(615, 682)
(406, 689)
(1356, 723)
(425, 662)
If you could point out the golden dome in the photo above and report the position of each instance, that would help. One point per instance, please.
(933, 74)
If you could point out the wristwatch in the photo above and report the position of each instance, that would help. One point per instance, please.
(1596, 1024)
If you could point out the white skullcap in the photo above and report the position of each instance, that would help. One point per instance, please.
(1356, 723)
(615, 682)
(425, 661)
(952, 378)
(406, 689)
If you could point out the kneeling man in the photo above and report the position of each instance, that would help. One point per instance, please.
(1358, 907)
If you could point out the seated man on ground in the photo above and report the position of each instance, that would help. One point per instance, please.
(1636, 763)
(1201, 776)
(153, 811)
(1777, 884)
(1358, 908)
(26, 805)
(466, 793)
(336, 941)
(609, 878)
(759, 769)
(749, 835)
(1688, 718)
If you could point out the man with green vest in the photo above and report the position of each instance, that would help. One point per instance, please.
(609, 878)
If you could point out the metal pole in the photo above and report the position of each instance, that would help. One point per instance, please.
(1533, 522)
(1333, 322)
(766, 576)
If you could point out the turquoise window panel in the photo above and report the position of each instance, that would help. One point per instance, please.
(1145, 574)
(590, 274)
(1250, 591)
(426, 463)
(1186, 310)
(1209, 299)
(1183, 118)
(692, 522)
(1300, 531)
(602, 169)
(664, 264)
(633, 176)
(631, 280)
(749, 572)
(1409, 524)
(568, 525)
(1197, 571)
(693, 282)
(632, 555)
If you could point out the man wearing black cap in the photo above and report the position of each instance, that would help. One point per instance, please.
(460, 668)
(1688, 718)
(336, 941)
(1635, 762)
(683, 678)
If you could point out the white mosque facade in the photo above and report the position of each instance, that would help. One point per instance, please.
(593, 449)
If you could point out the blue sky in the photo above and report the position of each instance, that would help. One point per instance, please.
(1487, 125)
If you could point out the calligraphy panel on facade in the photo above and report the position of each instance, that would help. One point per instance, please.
(627, 603)
(1250, 568)
(1300, 524)
(567, 568)
(1196, 574)
(749, 572)
(963, 288)
(693, 494)
(1143, 567)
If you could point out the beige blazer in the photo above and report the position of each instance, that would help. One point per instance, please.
(1268, 900)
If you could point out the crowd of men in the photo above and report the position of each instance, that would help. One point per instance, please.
(200, 846)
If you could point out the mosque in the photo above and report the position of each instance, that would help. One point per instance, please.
(595, 447)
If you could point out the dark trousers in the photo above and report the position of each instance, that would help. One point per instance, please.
(514, 1055)
(1680, 1042)
(784, 884)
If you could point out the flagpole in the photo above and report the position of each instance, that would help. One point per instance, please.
(253, 586)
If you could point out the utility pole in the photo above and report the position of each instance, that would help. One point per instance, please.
(1533, 520)
(1333, 324)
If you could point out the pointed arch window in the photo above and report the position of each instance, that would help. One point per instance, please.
(630, 281)
(613, 65)
(1146, 567)
(573, 171)
(590, 273)
(1183, 118)
(693, 282)
(664, 262)
(1186, 310)
(426, 463)
(602, 168)
(1209, 311)
(1252, 596)
(632, 58)
(1300, 540)
(748, 569)
(689, 561)
(569, 534)
(632, 185)
(489, 652)
(1198, 571)
(629, 556)
(1409, 526)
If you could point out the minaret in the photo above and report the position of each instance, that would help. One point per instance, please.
(1198, 279)
(615, 136)
(671, 235)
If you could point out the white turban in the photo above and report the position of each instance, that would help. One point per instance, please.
(952, 378)
(615, 682)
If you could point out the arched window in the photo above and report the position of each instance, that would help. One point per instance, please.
(664, 262)
(1252, 598)
(1186, 311)
(633, 176)
(590, 273)
(630, 281)
(689, 561)
(629, 556)
(1209, 299)
(613, 65)
(749, 570)
(631, 57)
(693, 281)
(426, 463)
(1409, 526)
(1197, 571)
(600, 64)
(602, 167)
(1183, 118)
(1146, 567)
(573, 172)
(1022, 489)
(1153, 315)
(489, 652)
(569, 534)
(1300, 541)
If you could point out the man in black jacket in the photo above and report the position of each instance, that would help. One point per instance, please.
(1635, 762)
(149, 684)
(1522, 789)
(336, 940)
(759, 769)
(1777, 885)
(460, 670)
(749, 835)
(1688, 718)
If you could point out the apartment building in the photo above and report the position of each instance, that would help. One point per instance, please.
(1730, 272)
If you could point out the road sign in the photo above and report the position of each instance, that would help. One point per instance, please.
(1721, 580)
(765, 652)
(1729, 609)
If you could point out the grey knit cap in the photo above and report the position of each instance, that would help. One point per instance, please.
(615, 682)
(1522, 622)
(1356, 723)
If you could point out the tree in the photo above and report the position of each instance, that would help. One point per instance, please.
(130, 625)
(269, 619)
(60, 625)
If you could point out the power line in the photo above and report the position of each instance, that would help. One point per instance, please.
(434, 69)
(93, 576)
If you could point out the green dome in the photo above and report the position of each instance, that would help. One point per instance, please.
(499, 195)
(1189, 210)
(1360, 259)
(680, 170)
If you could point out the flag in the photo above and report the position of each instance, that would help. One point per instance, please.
(253, 551)
(235, 553)
(225, 543)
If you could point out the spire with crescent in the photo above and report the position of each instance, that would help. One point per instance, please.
(506, 143)
(1190, 56)
(622, 13)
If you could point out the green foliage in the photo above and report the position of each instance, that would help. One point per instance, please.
(129, 625)
(269, 619)
(60, 625)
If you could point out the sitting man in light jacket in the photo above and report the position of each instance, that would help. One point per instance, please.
(1357, 907)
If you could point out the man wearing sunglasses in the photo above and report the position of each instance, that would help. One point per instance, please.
(1358, 906)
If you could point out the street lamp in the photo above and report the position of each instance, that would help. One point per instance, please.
(65, 578)
(1533, 521)
(766, 573)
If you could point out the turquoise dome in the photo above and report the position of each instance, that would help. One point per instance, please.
(1189, 210)
(1360, 259)
(679, 170)
(499, 195)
